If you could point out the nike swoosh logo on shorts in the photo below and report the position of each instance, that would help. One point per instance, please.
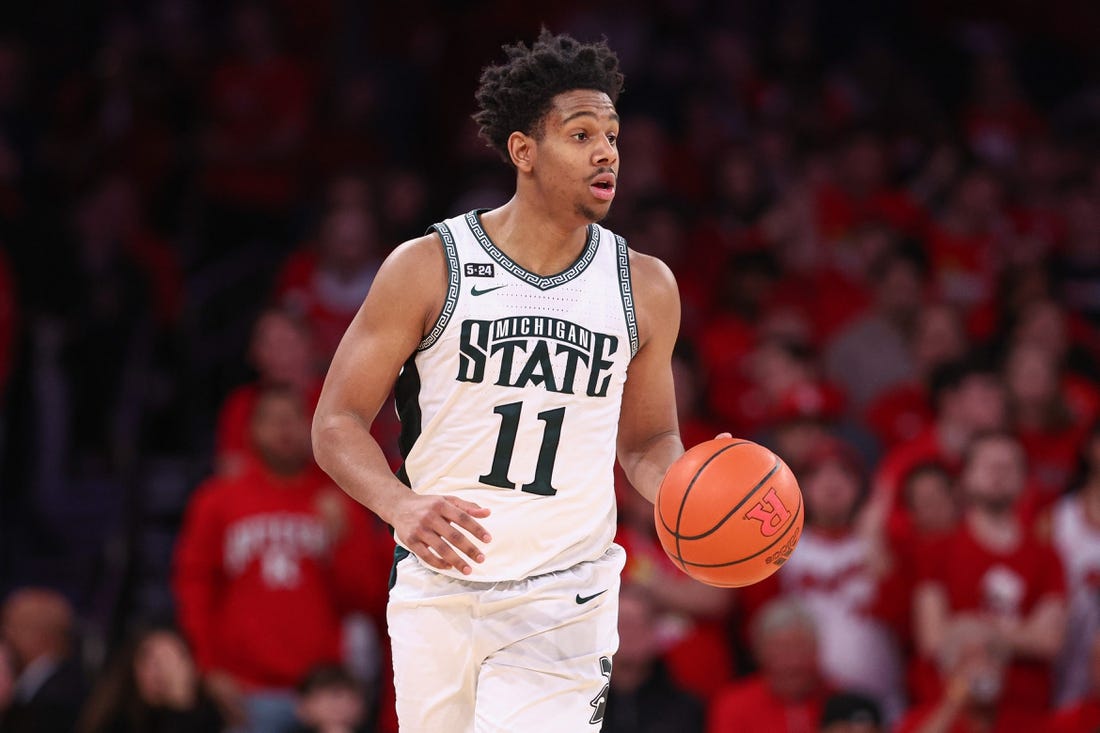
(586, 599)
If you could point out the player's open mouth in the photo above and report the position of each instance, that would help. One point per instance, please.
(603, 187)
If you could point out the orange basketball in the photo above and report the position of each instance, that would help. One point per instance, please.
(729, 512)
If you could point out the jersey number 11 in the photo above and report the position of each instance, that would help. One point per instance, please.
(506, 443)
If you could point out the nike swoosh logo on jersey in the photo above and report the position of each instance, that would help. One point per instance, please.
(586, 599)
(475, 291)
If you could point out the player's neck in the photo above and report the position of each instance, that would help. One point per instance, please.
(533, 237)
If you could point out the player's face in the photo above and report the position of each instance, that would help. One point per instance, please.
(578, 154)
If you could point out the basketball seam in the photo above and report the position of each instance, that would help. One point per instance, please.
(736, 508)
(782, 536)
(683, 499)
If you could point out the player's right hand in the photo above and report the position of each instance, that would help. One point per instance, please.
(428, 526)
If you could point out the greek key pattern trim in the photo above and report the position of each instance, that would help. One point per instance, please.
(623, 255)
(539, 281)
(452, 287)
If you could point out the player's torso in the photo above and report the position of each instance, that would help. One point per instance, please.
(512, 401)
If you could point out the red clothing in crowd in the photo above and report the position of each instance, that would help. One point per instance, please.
(752, 707)
(1084, 717)
(828, 298)
(327, 304)
(259, 114)
(1008, 721)
(899, 462)
(233, 444)
(899, 414)
(1009, 584)
(839, 213)
(963, 266)
(1051, 462)
(262, 583)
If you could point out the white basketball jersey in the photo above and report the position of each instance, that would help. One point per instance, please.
(512, 401)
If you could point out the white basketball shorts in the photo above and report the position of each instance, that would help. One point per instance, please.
(529, 655)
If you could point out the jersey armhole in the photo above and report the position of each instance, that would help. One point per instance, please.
(451, 301)
(623, 256)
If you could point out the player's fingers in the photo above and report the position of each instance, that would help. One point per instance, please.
(424, 552)
(459, 541)
(474, 510)
(458, 515)
(723, 435)
(451, 558)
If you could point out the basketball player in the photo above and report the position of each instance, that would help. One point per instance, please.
(527, 343)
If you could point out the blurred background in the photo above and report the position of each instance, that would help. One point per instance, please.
(884, 219)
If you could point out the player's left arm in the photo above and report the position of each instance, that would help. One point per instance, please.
(649, 433)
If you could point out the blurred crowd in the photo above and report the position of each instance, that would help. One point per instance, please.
(884, 219)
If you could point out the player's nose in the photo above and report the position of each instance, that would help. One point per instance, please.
(605, 153)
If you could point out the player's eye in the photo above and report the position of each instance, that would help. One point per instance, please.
(613, 138)
(580, 136)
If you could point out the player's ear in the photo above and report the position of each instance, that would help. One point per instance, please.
(521, 149)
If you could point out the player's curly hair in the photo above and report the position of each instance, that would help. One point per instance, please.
(516, 95)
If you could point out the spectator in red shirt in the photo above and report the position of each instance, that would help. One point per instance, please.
(267, 563)
(1041, 419)
(327, 284)
(1083, 716)
(931, 502)
(787, 694)
(963, 242)
(968, 398)
(995, 569)
(903, 412)
(281, 352)
(975, 698)
(1046, 323)
(860, 193)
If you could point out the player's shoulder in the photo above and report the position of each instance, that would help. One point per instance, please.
(412, 273)
(656, 297)
(650, 276)
(416, 254)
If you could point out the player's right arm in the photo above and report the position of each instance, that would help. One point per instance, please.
(401, 307)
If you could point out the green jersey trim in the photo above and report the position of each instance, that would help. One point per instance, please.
(623, 257)
(453, 283)
(473, 219)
